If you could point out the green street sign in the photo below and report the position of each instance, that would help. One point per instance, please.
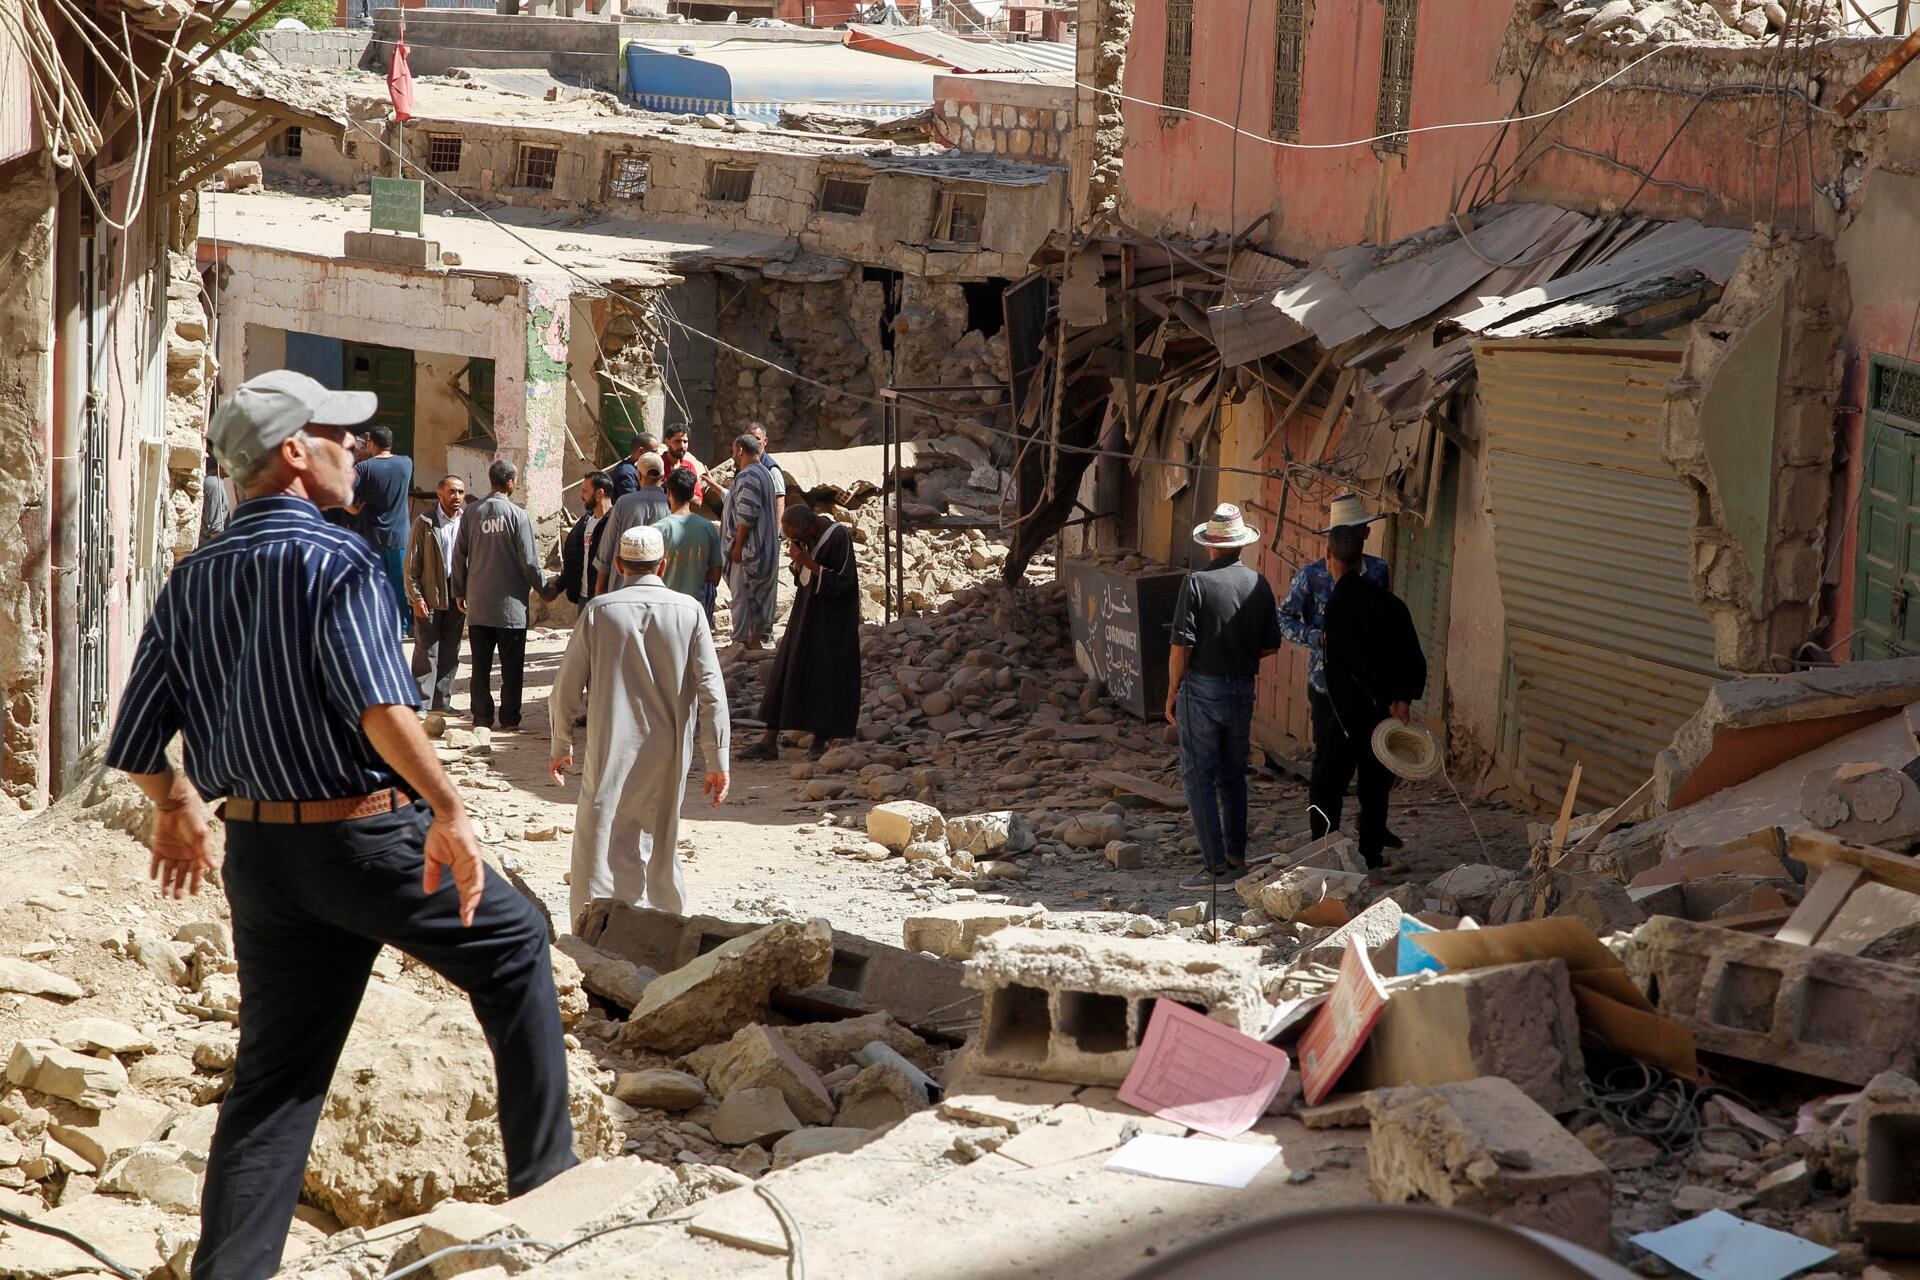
(399, 204)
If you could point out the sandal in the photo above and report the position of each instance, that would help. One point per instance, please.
(759, 751)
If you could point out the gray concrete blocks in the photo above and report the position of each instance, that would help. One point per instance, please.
(1886, 1187)
(1483, 1146)
(1074, 1007)
(1800, 1008)
(393, 249)
(1516, 1021)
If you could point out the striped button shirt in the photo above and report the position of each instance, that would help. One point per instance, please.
(263, 650)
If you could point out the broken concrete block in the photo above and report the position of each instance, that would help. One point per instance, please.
(1872, 912)
(162, 1173)
(1788, 1187)
(1339, 1111)
(1331, 852)
(1886, 1186)
(865, 976)
(1516, 1021)
(752, 1115)
(28, 979)
(899, 823)
(986, 834)
(1484, 1147)
(1599, 902)
(591, 1190)
(807, 1143)
(61, 1073)
(660, 1088)
(1295, 890)
(1091, 830)
(714, 995)
(159, 957)
(1800, 1008)
(1378, 925)
(88, 1035)
(1125, 855)
(127, 1122)
(458, 1223)
(1469, 889)
(759, 1058)
(1865, 802)
(1072, 1007)
(951, 932)
(606, 975)
(880, 1096)
(1192, 913)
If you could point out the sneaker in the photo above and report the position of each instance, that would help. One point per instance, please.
(1205, 880)
(1393, 841)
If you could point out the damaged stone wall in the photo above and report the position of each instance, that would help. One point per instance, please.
(189, 380)
(838, 332)
(1100, 125)
(26, 407)
(1749, 425)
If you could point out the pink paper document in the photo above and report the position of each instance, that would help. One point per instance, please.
(1199, 1073)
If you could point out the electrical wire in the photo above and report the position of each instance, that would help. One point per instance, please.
(60, 1233)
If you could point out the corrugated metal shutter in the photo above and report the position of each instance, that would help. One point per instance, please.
(1591, 543)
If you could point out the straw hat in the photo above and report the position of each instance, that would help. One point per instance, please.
(1228, 528)
(1407, 750)
(1347, 509)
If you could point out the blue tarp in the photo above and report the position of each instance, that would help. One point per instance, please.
(757, 78)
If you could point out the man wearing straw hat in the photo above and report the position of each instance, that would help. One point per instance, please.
(1344, 603)
(1224, 623)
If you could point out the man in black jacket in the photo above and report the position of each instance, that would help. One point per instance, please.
(583, 540)
(1375, 669)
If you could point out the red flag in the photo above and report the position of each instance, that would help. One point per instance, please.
(400, 83)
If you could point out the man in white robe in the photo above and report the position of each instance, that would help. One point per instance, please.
(646, 654)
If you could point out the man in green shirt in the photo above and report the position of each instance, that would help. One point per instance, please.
(695, 559)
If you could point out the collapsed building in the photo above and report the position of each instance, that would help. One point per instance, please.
(1626, 370)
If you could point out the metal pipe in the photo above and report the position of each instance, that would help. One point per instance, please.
(63, 480)
(1875, 80)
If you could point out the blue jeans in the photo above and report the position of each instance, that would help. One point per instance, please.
(1215, 715)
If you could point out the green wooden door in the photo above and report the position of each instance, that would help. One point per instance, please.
(1423, 577)
(1886, 617)
(388, 373)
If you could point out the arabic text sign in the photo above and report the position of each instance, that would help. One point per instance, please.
(399, 204)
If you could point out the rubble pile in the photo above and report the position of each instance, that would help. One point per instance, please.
(1565, 25)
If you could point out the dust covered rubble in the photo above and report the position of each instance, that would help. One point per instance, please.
(1566, 25)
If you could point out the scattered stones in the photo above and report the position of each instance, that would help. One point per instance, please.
(660, 1088)
(881, 1095)
(1124, 855)
(86, 1035)
(759, 1058)
(44, 1066)
(166, 1174)
(899, 823)
(30, 979)
(804, 1144)
(981, 834)
(752, 1116)
(127, 1122)
(952, 932)
(1091, 830)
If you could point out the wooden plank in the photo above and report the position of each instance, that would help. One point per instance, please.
(1619, 815)
(1756, 921)
(1293, 407)
(1336, 405)
(1822, 901)
(1819, 850)
(1566, 809)
(1154, 791)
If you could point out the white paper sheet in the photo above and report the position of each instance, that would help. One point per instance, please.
(1203, 1160)
(1718, 1246)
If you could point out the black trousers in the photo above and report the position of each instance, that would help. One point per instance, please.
(311, 908)
(512, 644)
(436, 655)
(1336, 758)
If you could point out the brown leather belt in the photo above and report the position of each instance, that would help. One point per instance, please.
(310, 812)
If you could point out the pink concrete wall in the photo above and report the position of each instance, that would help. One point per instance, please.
(1181, 172)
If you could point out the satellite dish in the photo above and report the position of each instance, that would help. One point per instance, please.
(733, 16)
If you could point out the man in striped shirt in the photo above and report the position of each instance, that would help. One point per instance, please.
(272, 653)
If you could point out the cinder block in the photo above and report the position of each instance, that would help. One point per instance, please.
(1803, 1009)
(1483, 1146)
(866, 977)
(1516, 1021)
(393, 249)
(1073, 1007)
(1886, 1188)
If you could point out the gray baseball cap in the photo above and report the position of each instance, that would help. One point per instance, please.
(268, 409)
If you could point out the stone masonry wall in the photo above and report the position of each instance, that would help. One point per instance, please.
(973, 118)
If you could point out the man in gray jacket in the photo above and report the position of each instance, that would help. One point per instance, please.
(437, 624)
(494, 568)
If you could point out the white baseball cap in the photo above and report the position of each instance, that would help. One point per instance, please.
(643, 544)
(266, 410)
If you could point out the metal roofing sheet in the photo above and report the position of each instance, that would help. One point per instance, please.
(1668, 250)
(1420, 284)
(926, 44)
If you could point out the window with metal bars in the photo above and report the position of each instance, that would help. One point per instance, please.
(730, 183)
(627, 177)
(1396, 77)
(1289, 63)
(843, 195)
(443, 153)
(288, 143)
(537, 167)
(1176, 75)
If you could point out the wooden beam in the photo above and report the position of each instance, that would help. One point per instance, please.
(1823, 900)
(212, 147)
(1621, 812)
(1336, 405)
(1293, 406)
(1817, 849)
(1566, 808)
(1165, 796)
(274, 125)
